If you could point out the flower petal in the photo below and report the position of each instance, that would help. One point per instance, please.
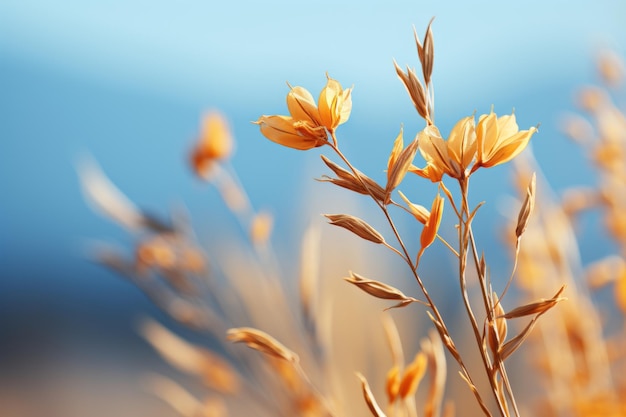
(301, 105)
(346, 106)
(507, 127)
(328, 103)
(281, 129)
(430, 172)
(462, 142)
(435, 151)
(486, 136)
(510, 148)
(429, 233)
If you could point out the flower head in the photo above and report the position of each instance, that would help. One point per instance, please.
(499, 140)
(215, 143)
(442, 157)
(308, 124)
(492, 142)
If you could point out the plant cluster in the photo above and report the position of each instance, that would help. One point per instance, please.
(300, 371)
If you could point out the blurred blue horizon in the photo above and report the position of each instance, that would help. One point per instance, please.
(127, 82)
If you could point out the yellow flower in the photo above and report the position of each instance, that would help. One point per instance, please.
(499, 140)
(335, 104)
(308, 125)
(494, 141)
(451, 157)
(214, 144)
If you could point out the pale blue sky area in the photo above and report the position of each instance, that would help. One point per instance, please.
(128, 79)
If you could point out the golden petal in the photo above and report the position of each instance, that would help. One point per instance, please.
(462, 142)
(346, 106)
(301, 105)
(328, 102)
(429, 233)
(507, 126)
(430, 172)
(510, 148)
(486, 135)
(435, 151)
(280, 129)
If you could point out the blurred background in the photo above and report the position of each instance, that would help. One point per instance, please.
(127, 83)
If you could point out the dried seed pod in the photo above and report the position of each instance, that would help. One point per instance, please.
(261, 341)
(400, 167)
(527, 207)
(349, 181)
(414, 88)
(537, 307)
(498, 327)
(369, 397)
(426, 52)
(380, 290)
(357, 226)
(512, 345)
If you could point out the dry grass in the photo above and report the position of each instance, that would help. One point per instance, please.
(310, 343)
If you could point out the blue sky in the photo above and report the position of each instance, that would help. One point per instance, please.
(127, 80)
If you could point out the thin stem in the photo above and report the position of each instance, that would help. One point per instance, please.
(441, 327)
(464, 232)
(489, 309)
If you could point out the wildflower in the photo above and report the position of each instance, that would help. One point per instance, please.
(494, 141)
(451, 157)
(215, 143)
(435, 151)
(499, 140)
(308, 125)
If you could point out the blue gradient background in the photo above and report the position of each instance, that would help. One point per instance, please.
(127, 80)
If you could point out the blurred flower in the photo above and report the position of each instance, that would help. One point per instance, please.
(215, 143)
(309, 124)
